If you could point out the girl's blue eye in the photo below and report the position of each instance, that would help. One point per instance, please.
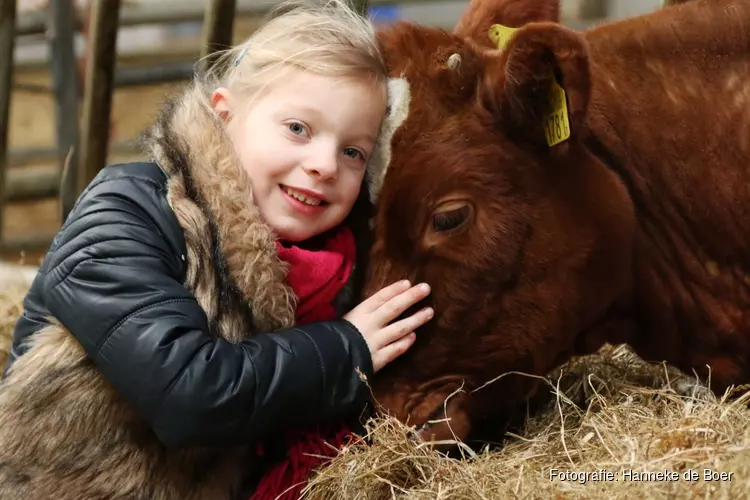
(296, 128)
(353, 153)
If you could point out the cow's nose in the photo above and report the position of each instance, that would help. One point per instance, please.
(447, 423)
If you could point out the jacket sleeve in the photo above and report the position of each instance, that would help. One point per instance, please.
(113, 281)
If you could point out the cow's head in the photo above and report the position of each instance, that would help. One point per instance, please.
(525, 246)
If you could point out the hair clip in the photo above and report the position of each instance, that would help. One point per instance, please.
(239, 57)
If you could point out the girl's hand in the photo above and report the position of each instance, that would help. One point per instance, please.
(372, 318)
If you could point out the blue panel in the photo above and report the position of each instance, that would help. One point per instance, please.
(384, 13)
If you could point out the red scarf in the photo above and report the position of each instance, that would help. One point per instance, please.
(316, 275)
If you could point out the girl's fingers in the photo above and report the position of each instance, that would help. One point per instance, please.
(384, 295)
(393, 351)
(403, 327)
(394, 307)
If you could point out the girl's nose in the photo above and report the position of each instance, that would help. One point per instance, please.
(322, 164)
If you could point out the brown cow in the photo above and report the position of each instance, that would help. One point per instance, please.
(636, 228)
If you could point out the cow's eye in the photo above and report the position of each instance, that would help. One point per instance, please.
(446, 220)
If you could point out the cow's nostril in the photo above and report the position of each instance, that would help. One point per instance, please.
(447, 419)
(436, 417)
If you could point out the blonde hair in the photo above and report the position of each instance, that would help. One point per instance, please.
(326, 37)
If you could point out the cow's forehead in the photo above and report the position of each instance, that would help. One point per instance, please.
(415, 55)
(410, 47)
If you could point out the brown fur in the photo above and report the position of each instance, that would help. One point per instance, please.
(64, 432)
(481, 14)
(634, 230)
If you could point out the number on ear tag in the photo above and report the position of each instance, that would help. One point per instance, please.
(557, 125)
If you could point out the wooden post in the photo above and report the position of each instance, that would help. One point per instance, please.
(65, 86)
(218, 27)
(593, 9)
(30, 242)
(7, 43)
(22, 184)
(98, 89)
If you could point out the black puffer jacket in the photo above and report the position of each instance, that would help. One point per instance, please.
(167, 278)
(114, 278)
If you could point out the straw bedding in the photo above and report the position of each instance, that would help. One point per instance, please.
(641, 431)
(610, 415)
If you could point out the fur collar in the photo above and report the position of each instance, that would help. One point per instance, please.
(189, 142)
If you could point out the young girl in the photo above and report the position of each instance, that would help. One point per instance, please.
(188, 308)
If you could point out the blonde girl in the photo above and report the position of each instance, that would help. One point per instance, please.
(197, 304)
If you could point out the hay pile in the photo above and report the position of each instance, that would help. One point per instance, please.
(610, 413)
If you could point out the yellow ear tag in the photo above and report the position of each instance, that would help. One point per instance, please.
(500, 35)
(556, 123)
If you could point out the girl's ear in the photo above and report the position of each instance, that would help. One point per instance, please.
(221, 103)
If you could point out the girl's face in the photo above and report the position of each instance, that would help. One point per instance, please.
(305, 143)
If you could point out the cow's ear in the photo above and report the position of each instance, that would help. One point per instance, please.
(538, 87)
(481, 14)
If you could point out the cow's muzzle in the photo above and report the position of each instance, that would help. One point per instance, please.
(448, 423)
